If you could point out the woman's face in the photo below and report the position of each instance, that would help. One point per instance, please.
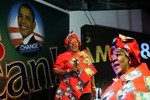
(120, 62)
(73, 45)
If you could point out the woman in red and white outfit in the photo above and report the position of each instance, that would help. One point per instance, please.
(131, 75)
(75, 71)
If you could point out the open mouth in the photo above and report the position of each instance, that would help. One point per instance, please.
(23, 27)
(115, 66)
(74, 46)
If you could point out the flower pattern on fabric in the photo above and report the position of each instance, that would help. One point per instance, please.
(142, 95)
(59, 93)
(66, 79)
(129, 87)
(74, 61)
(147, 82)
(68, 92)
(80, 86)
(108, 95)
(89, 71)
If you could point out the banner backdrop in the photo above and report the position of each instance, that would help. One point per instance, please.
(26, 63)
(97, 41)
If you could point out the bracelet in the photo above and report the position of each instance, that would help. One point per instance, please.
(93, 87)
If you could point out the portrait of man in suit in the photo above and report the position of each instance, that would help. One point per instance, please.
(26, 25)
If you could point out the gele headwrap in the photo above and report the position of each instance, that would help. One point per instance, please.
(71, 35)
(129, 45)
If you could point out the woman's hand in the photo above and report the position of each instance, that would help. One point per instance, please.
(75, 70)
(93, 92)
(93, 87)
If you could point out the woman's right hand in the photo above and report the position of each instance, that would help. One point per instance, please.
(76, 70)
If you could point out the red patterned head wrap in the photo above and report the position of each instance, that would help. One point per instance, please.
(129, 45)
(71, 35)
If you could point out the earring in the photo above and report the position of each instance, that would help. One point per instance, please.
(130, 62)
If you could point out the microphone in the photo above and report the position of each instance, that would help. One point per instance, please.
(75, 64)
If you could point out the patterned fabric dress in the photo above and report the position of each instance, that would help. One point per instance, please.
(134, 85)
(72, 86)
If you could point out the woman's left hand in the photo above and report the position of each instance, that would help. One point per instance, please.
(93, 92)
